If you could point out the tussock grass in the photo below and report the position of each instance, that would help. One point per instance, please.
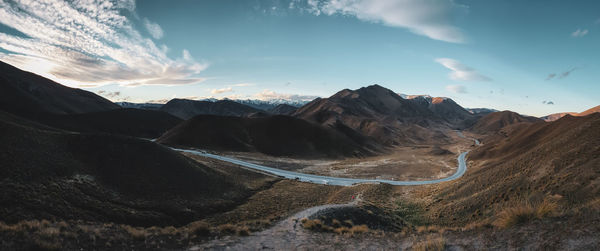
(336, 227)
(431, 243)
(525, 213)
(199, 228)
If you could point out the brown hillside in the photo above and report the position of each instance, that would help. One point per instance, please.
(493, 122)
(276, 135)
(558, 161)
(378, 113)
(589, 111)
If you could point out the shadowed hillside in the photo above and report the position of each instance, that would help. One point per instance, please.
(27, 94)
(186, 109)
(130, 122)
(276, 135)
(55, 175)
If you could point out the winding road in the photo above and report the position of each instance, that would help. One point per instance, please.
(337, 181)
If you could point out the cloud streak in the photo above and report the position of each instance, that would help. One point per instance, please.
(561, 75)
(580, 33)
(222, 90)
(89, 43)
(430, 18)
(461, 72)
(154, 29)
(456, 88)
(272, 95)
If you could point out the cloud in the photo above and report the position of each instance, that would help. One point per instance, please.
(430, 18)
(270, 95)
(547, 102)
(109, 94)
(562, 75)
(154, 29)
(457, 88)
(85, 43)
(460, 71)
(579, 33)
(222, 90)
(243, 84)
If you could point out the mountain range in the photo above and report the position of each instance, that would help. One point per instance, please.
(71, 156)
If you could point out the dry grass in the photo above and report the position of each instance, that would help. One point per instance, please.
(200, 228)
(337, 227)
(431, 243)
(522, 214)
(137, 233)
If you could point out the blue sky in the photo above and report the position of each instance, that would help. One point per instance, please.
(533, 57)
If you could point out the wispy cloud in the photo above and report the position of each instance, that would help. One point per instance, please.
(109, 94)
(270, 95)
(561, 75)
(243, 84)
(154, 29)
(456, 88)
(89, 43)
(579, 33)
(222, 90)
(547, 102)
(460, 71)
(430, 18)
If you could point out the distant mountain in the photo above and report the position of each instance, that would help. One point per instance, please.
(186, 109)
(267, 105)
(589, 111)
(481, 111)
(383, 115)
(274, 135)
(556, 116)
(283, 109)
(493, 122)
(446, 109)
(144, 106)
(55, 175)
(27, 94)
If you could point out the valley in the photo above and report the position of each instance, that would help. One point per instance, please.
(361, 169)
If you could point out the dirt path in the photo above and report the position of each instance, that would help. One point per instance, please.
(288, 234)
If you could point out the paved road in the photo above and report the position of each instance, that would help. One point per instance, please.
(328, 180)
(462, 168)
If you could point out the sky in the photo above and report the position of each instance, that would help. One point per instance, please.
(532, 57)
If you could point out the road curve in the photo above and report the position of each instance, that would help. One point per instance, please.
(328, 180)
